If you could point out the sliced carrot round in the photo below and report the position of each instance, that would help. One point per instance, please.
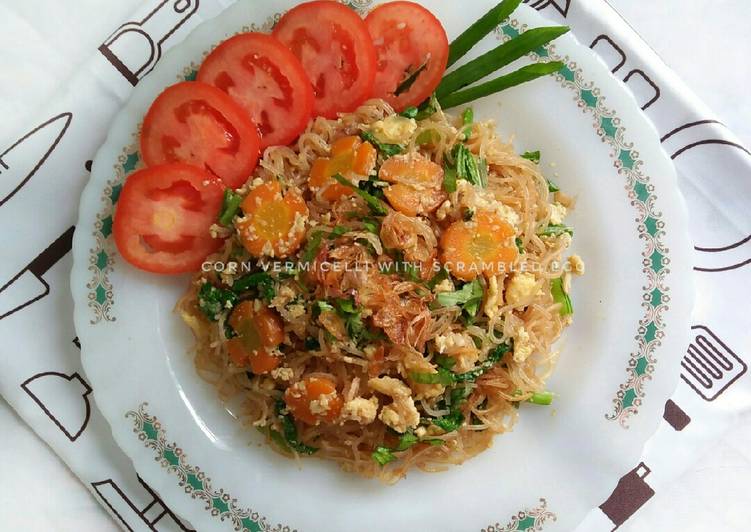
(274, 221)
(350, 157)
(259, 331)
(416, 187)
(314, 400)
(481, 245)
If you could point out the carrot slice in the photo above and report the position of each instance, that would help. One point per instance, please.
(416, 187)
(480, 245)
(274, 222)
(349, 157)
(321, 392)
(258, 333)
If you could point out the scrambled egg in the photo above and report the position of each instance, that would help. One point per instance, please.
(577, 264)
(400, 415)
(522, 345)
(494, 300)
(557, 213)
(361, 410)
(522, 287)
(394, 130)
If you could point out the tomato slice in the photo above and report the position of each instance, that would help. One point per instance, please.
(336, 51)
(267, 80)
(163, 218)
(411, 46)
(198, 124)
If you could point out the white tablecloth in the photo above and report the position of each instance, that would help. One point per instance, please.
(38, 492)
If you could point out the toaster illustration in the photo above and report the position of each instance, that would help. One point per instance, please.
(136, 46)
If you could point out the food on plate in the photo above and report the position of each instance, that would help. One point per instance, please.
(267, 80)
(336, 51)
(412, 52)
(198, 124)
(164, 216)
(385, 287)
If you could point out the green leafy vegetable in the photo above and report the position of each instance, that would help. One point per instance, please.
(552, 187)
(541, 398)
(494, 356)
(408, 81)
(449, 179)
(410, 112)
(466, 167)
(322, 306)
(373, 187)
(497, 58)
(560, 296)
(438, 278)
(230, 206)
(533, 156)
(407, 440)
(519, 244)
(372, 225)
(428, 108)
(261, 281)
(446, 377)
(376, 206)
(484, 25)
(468, 117)
(387, 150)
(289, 431)
(442, 376)
(523, 75)
(556, 230)
(213, 301)
(468, 297)
(383, 455)
(312, 247)
(450, 422)
(428, 136)
(337, 231)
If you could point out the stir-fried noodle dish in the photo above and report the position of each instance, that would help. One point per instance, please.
(389, 292)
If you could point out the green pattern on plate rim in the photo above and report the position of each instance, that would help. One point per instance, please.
(649, 224)
(194, 481)
(222, 505)
(102, 256)
(526, 521)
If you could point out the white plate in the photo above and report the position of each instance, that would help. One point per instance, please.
(617, 366)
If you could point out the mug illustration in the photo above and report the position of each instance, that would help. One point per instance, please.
(63, 398)
(153, 516)
(136, 46)
(675, 416)
(710, 367)
(631, 493)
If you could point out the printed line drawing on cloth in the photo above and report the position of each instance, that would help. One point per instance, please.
(675, 416)
(631, 493)
(698, 133)
(136, 46)
(50, 389)
(644, 88)
(23, 289)
(154, 516)
(561, 6)
(730, 257)
(710, 367)
(21, 161)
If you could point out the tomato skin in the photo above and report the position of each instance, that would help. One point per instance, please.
(163, 216)
(266, 80)
(404, 34)
(336, 51)
(198, 124)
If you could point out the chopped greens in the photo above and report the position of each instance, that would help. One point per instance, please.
(375, 205)
(484, 25)
(438, 278)
(410, 112)
(533, 156)
(450, 422)
(468, 297)
(449, 179)
(466, 167)
(541, 398)
(230, 206)
(322, 306)
(351, 314)
(552, 187)
(446, 377)
(407, 440)
(428, 108)
(519, 244)
(468, 117)
(213, 301)
(383, 455)
(556, 230)
(441, 376)
(560, 296)
(312, 247)
(261, 281)
(523, 75)
(289, 431)
(387, 150)
(372, 225)
(428, 136)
